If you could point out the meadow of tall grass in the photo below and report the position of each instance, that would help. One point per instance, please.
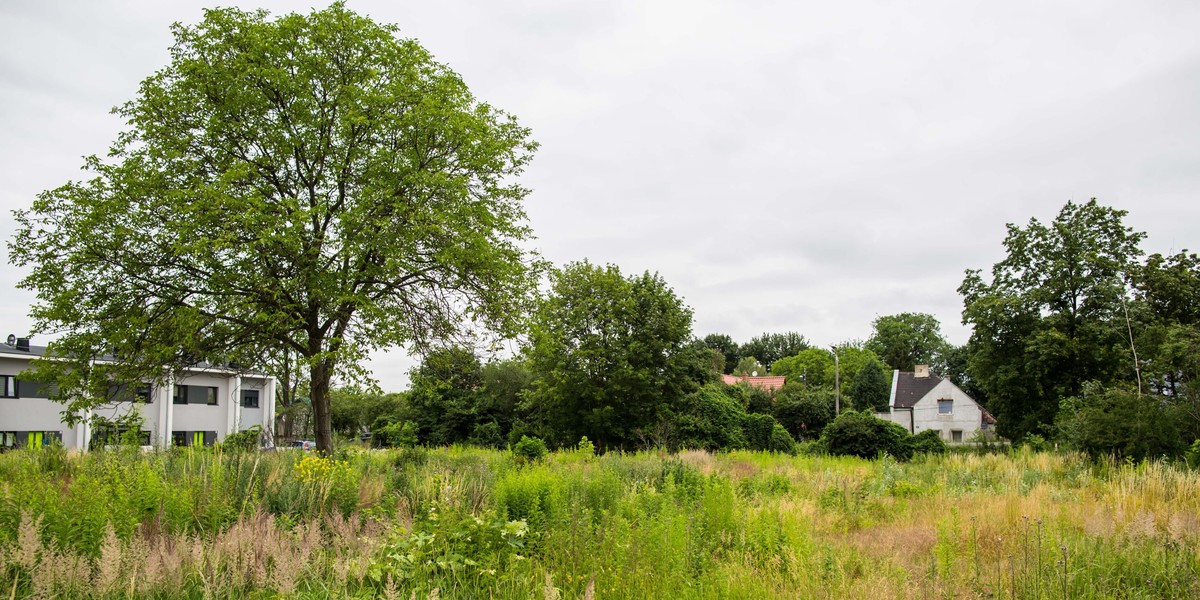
(472, 523)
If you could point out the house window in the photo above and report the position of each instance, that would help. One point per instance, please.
(8, 439)
(956, 436)
(8, 386)
(38, 439)
(211, 396)
(945, 407)
(193, 438)
(180, 396)
(249, 398)
(142, 394)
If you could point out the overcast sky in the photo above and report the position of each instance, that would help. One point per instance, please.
(803, 166)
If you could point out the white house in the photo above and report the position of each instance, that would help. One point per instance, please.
(200, 408)
(921, 400)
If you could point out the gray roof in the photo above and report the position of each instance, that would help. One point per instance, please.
(910, 388)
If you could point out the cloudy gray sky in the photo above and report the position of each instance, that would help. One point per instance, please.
(802, 166)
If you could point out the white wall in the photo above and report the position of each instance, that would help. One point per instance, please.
(966, 417)
(161, 415)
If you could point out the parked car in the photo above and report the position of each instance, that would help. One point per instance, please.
(305, 445)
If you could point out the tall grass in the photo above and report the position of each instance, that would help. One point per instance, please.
(469, 523)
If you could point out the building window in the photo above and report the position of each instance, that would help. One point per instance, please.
(211, 396)
(945, 407)
(180, 395)
(142, 394)
(8, 439)
(178, 438)
(249, 398)
(956, 436)
(8, 386)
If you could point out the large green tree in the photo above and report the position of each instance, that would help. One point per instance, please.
(908, 339)
(310, 182)
(770, 347)
(1051, 316)
(612, 355)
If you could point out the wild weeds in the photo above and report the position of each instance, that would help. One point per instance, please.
(469, 523)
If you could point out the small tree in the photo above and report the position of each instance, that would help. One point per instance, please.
(871, 390)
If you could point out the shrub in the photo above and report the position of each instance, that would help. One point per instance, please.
(1192, 456)
(862, 434)
(396, 435)
(530, 448)
(1119, 422)
(242, 441)
(804, 411)
(710, 419)
(763, 432)
(928, 442)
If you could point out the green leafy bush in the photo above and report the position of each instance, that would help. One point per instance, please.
(242, 441)
(710, 419)
(530, 448)
(928, 442)
(862, 434)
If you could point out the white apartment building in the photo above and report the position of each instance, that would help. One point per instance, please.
(200, 408)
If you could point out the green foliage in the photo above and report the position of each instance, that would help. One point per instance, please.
(710, 419)
(1192, 456)
(763, 432)
(127, 429)
(622, 525)
(443, 394)
(749, 366)
(243, 441)
(1051, 318)
(399, 434)
(928, 442)
(612, 355)
(804, 411)
(908, 339)
(1117, 421)
(871, 389)
(861, 434)
(812, 367)
(770, 347)
(530, 448)
(730, 354)
(311, 182)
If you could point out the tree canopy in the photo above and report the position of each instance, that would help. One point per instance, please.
(310, 182)
(612, 355)
(1050, 319)
(908, 339)
(770, 347)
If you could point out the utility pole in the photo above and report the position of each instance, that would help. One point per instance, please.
(837, 383)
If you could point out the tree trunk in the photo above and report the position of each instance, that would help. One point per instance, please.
(319, 377)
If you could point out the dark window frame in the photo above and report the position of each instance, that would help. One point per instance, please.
(246, 399)
(8, 387)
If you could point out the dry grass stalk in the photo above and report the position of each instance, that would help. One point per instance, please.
(29, 541)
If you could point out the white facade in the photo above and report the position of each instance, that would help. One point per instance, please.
(943, 408)
(200, 408)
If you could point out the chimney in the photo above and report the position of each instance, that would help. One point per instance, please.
(921, 371)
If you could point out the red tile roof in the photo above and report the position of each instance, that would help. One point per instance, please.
(764, 383)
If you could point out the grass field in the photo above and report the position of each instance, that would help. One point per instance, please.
(472, 523)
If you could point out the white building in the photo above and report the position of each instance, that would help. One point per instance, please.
(200, 408)
(921, 400)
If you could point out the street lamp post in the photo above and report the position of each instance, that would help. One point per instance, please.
(837, 383)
